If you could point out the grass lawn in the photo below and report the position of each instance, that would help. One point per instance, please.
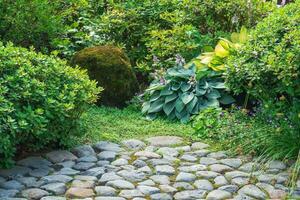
(114, 124)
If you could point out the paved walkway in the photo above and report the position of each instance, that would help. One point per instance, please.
(164, 169)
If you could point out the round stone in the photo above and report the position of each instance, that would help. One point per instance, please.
(34, 193)
(160, 179)
(189, 158)
(218, 195)
(185, 177)
(105, 191)
(208, 161)
(220, 168)
(107, 155)
(129, 194)
(81, 166)
(60, 156)
(34, 162)
(148, 190)
(120, 184)
(232, 162)
(120, 162)
(252, 191)
(161, 196)
(164, 170)
(56, 188)
(84, 150)
(199, 145)
(134, 144)
(190, 194)
(147, 154)
(107, 146)
(192, 168)
(162, 141)
(168, 151)
(79, 193)
(203, 185)
(220, 181)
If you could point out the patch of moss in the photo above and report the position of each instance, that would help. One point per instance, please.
(111, 68)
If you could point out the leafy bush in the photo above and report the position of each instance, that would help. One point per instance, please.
(268, 66)
(27, 23)
(248, 133)
(162, 28)
(180, 94)
(112, 70)
(41, 100)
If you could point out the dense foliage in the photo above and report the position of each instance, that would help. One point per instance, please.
(268, 66)
(178, 93)
(248, 133)
(29, 23)
(111, 68)
(164, 28)
(41, 100)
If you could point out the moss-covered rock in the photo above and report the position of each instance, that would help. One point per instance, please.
(111, 68)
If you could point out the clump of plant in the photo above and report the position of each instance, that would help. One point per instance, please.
(41, 101)
(268, 68)
(180, 92)
(246, 132)
(111, 68)
(215, 58)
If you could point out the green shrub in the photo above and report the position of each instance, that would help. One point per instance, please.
(111, 68)
(163, 28)
(41, 100)
(268, 66)
(27, 23)
(179, 93)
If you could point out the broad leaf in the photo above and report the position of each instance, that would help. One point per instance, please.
(179, 105)
(169, 107)
(156, 106)
(145, 107)
(192, 104)
(187, 97)
(155, 96)
(213, 94)
(226, 99)
(166, 91)
(171, 97)
(185, 86)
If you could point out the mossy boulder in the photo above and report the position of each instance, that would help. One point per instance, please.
(111, 68)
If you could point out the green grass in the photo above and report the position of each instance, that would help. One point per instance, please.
(114, 124)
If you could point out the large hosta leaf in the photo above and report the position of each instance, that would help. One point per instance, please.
(192, 104)
(155, 96)
(156, 106)
(187, 97)
(185, 87)
(169, 107)
(171, 97)
(145, 107)
(226, 99)
(176, 86)
(179, 105)
(166, 91)
(218, 85)
(213, 94)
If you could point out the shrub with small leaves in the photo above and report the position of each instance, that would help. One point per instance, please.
(41, 100)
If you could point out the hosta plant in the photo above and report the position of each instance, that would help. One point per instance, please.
(179, 93)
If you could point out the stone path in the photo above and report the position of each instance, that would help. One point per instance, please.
(134, 170)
